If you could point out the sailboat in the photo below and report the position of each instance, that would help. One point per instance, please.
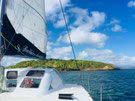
(23, 34)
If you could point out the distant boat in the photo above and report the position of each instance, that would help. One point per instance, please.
(23, 34)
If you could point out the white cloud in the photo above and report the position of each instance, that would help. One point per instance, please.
(66, 58)
(8, 61)
(81, 30)
(116, 28)
(97, 19)
(50, 46)
(80, 14)
(83, 19)
(62, 52)
(53, 6)
(114, 21)
(96, 54)
(134, 16)
(54, 13)
(131, 4)
(107, 56)
(60, 21)
(83, 55)
(83, 37)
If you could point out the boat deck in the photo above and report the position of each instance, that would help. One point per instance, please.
(79, 94)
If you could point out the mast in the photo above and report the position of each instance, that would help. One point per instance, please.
(2, 12)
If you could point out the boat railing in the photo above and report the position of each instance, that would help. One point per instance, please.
(102, 92)
(105, 92)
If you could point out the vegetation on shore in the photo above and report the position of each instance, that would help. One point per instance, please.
(65, 65)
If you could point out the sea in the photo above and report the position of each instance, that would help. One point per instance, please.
(116, 85)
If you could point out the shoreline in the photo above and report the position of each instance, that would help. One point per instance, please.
(101, 69)
(91, 69)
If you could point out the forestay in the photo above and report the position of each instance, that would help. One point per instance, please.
(24, 29)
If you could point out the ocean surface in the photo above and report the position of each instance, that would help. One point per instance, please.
(116, 85)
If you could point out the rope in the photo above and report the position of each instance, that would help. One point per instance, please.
(13, 46)
(80, 76)
(68, 31)
(10, 44)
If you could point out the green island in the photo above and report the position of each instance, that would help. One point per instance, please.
(65, 65)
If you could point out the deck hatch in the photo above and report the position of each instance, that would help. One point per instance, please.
(12, 75)
(66, 96)
(36, 73)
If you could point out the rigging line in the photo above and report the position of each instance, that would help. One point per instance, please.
(13, 45)
(10, 44)
(68, 32)
(35, 11)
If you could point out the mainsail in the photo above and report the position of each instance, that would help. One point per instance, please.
(24, 29)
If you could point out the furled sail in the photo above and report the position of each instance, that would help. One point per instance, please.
(24, 29)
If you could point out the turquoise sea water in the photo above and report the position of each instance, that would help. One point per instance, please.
(117, 85)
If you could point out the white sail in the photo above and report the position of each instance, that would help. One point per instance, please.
(25, 17)
(28, 18)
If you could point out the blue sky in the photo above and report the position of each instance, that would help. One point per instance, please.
(101, 30)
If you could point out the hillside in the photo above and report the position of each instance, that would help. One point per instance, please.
(65, 65)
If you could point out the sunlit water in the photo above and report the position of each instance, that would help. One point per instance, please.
(117, 85)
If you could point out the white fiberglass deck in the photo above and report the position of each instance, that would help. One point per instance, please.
(43, 92)
(79, 95)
